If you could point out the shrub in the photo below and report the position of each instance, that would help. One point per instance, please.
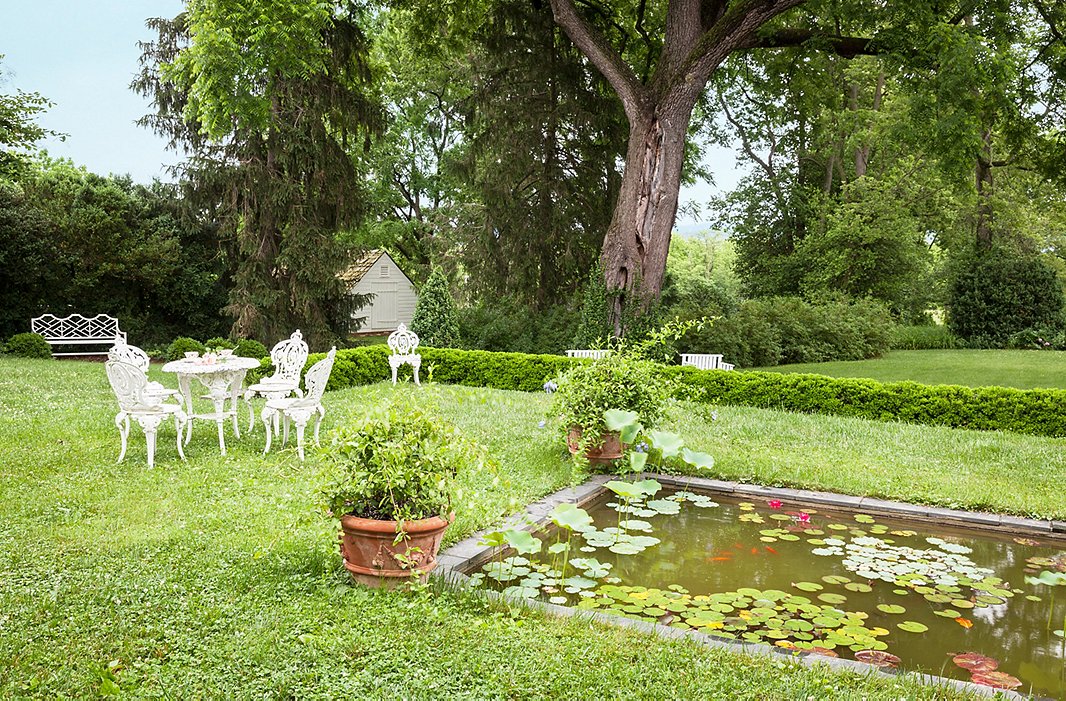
(995, 295)
(436, 320)
(585, 391)
(219, 342)
(595, 326)
(29, 345)
(937, 337)
(512, 327)
(250, 348)
(1034, 411)
(777, 330)
(396, 464)
(182, 345)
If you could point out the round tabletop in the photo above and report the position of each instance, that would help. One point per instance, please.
(200, 366)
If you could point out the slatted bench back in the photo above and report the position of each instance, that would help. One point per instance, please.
(78, 330)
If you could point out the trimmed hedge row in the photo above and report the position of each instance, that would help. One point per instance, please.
(1040, 412)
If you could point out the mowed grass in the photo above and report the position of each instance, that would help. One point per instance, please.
(972, 368)
(220, 578)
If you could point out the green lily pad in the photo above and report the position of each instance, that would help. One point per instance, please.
(912, 627)
(835, 579)
(833, 599)
(858, 587)
(808, 586)
(891, 608)
(947, 613)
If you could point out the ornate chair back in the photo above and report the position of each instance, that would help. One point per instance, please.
(128, 382)
(289, 357)
(402, 341)
(131, 355)
(315, 380)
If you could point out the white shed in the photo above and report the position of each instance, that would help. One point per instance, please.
(394, 294)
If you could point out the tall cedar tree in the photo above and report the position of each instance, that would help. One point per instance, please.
(268, 99)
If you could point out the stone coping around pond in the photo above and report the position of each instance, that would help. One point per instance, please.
(468, 554)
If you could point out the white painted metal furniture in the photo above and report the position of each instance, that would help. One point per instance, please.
(133, 355)
(702, 361)
(78, 330)
(725, 366)
(403, 343)
(299, 410)
(223, 378)
(593, 354)
(129, 384)
(289, 357)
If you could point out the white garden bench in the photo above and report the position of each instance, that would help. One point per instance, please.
(78, 330)
(705, 361)
(593, 354)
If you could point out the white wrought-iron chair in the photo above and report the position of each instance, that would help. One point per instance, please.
(130, 386)
(132, 355)
(403, 343)
(289, 357)
(299, 410)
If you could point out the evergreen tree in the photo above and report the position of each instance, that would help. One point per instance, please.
(436, 320)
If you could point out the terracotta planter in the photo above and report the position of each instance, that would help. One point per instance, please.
(373, 558)
(607, 450)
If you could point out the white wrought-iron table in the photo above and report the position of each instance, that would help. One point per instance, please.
(223, 379)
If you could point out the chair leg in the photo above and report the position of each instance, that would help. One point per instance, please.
(251, 411)
(221, 436)
(300, 426)
(268, 419)
(394, 374)
(321, 414)
(122, 422)
(285, 425)
(417, 383)
(150, 426)
(179, 426)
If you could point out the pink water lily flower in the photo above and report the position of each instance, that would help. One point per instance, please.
(774, 504)
(804, 517)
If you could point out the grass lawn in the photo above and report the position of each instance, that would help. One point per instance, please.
(219, 578)
(974, 368)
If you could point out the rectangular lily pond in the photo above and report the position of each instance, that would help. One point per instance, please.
(976, 606)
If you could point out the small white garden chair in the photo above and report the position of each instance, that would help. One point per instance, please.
(299, 410)
(403, 343)
(130, 386)
(132, 355)
(289, 357)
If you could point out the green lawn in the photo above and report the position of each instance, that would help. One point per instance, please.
(219, 578)
(974, 368)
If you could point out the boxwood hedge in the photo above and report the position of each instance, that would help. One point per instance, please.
(1040, 412)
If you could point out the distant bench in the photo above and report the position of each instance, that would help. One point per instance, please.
(594, 354)
(78, 330)
(705, 361)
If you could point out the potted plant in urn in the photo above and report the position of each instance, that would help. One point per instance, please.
(390, 478)
(587, 390)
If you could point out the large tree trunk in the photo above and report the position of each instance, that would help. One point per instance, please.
(983, 182)
(638, 240)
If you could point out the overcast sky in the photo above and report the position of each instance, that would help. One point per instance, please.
(82, 55)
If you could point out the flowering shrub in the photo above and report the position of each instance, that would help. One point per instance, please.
(616, 381)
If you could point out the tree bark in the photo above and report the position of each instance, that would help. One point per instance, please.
(638, 239)
(983, 181)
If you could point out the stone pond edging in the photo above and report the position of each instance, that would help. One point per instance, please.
(468, 555)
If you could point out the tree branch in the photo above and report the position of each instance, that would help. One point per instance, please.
(847, 47)
(606, 59)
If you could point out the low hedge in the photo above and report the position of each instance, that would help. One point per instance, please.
(1032, 411)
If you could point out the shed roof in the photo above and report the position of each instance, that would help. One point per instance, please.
(355, 272)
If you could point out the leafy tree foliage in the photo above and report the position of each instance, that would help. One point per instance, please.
(72, 241)
(269, 98)
(436, 320)
(19, 130)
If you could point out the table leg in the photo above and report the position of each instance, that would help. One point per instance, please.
(185, 386)
(235, 392)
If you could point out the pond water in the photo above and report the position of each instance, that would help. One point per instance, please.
(950, 602)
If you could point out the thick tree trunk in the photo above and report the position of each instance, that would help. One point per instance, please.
(638, 239)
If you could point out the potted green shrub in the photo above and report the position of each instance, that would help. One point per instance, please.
(587, 390)
(390, 478)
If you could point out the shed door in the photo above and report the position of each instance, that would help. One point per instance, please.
(383, 313)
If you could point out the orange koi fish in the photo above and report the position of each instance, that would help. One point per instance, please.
(964, 622)
(771, 550)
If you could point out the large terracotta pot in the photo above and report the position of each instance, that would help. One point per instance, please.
(373, 557)
(607, 450)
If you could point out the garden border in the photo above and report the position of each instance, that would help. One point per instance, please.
(468, 554)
